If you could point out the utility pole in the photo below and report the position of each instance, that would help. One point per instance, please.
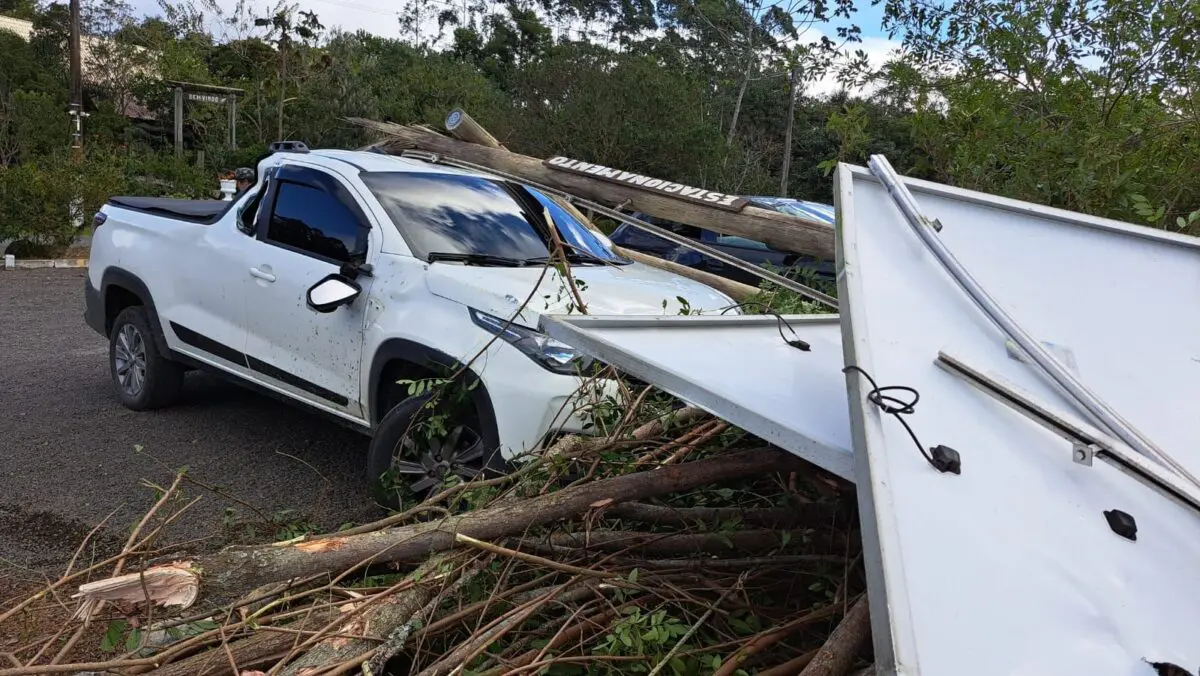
(76, 111)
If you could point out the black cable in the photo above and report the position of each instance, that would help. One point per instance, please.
(780, 322)
(941, 458)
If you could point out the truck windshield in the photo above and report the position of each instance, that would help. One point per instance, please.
(475, 216)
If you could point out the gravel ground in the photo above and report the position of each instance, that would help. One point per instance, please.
(68, 450)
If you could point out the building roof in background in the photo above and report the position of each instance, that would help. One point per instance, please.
(21, 27)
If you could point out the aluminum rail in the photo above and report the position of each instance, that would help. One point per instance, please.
(762, 273)
(1079, 433)
(1049, 367)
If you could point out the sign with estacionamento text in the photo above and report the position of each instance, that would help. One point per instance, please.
(709, 198)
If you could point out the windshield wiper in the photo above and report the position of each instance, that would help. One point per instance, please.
(573, 257)
(478, 259)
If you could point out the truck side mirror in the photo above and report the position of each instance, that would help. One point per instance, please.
(331, 293)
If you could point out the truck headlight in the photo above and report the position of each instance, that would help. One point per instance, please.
(547, 352)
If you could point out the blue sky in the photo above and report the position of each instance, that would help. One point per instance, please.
(378, 16)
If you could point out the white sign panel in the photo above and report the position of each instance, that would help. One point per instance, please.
(1015, 566)
(738, 368)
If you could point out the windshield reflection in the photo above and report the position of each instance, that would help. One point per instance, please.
(452, 213)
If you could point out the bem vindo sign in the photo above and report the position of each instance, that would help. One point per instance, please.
(710, 198)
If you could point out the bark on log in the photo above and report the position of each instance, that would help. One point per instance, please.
(836, 657)
(377, 623)
(781, 231)
(735, 290)
(232, 572)
(658, 544)
(247, 652)
(813, 515)
(464, 127)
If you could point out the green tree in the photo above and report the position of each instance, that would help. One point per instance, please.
(1083, 105)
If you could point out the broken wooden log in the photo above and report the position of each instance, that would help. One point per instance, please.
(465, 128)
(738, 291)
(233, 572)
(735, 290)
(172, 584)
(781, 231)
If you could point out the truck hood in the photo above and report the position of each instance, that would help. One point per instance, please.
(633, 289)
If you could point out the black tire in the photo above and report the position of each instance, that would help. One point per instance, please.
(389, 436)
(161, 379)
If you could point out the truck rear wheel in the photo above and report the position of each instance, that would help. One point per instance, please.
(143, 378)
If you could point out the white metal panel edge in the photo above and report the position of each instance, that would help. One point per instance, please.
(736, 370)
(891, 623)
(917, 185)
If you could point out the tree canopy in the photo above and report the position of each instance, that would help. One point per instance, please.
(1084, 104)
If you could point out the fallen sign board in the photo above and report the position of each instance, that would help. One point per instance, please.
(737, 367)
(711, 198)
(1057, 549)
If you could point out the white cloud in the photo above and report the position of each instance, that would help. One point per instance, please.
(878, 50)
(381, 17)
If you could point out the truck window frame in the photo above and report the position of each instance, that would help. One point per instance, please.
(323, 181)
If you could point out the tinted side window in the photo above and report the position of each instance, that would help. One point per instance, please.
(316, 222)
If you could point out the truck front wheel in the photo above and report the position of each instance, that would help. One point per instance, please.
(143, 378)
(421, 444)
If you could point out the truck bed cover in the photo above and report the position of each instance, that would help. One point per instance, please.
(195, 211)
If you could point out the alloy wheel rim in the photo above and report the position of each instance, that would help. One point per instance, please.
(452, 455)
(129, 360)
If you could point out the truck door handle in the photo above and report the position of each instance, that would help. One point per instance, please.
(262, 274)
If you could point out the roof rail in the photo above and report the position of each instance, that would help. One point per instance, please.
(288, 147)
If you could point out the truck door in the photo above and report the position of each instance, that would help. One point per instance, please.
(310, 227)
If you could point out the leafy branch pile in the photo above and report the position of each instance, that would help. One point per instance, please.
(671, 543)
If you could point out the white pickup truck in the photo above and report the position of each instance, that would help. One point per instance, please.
(341, 277)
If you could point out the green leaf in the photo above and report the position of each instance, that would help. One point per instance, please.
(785, 538)
(133, 641)
(633, 576)
(112, 637)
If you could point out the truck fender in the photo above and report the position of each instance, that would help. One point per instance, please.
(123, 279)
(423, 355)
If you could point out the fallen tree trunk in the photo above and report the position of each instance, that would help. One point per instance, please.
(676, 544)
(374, 626)
(815, 514)
(781, 231)
(464, 127)
(235, 571)
(736, 290)
(836, 657)
(246, 652)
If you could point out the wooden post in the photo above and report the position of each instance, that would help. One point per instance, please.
(465, 128)
(179, 121)
(232, 101)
